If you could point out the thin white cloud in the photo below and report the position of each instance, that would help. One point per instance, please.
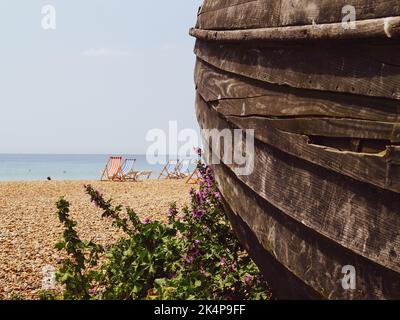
(105, 52)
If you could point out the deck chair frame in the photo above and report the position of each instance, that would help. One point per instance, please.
(127, 173)
(167, 172)
(143, 175)
(183, 169)
(116, 164)
(194, 177)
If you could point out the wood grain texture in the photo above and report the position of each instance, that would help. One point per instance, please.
(369, 168)
(331, 127)
(382, 28)
(242, 15)
(269, 234)
(308, 208)
(325, 68)
(363, 219)
(285, 284)
(213, 5)
(220, 15)
(239, 96)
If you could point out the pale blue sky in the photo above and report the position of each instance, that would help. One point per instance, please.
(111, 71)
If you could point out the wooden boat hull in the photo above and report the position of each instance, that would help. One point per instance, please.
(325, 190)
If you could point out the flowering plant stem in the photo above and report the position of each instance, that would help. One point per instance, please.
(196, 255)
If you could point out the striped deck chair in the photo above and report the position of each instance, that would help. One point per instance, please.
(127, 173)
(112, 169)
(170, 170)
(183, 169)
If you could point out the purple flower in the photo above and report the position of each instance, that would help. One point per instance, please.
(193, 252)
(96, 203)
(93, 291)
(217, 195)
(147, 221)
(197, 241)
(232, 267)
(198, 214)
(247, 279)
(208, 182)
(188, 260)
(222, 261)
(199, 197)
(172, 212)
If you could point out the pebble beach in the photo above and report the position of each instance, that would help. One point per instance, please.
(29, 227)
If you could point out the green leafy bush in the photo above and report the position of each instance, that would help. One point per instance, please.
(195, 255)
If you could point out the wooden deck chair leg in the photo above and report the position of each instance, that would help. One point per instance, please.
(190, 180)
(117, 176)
(135, 176)
(105, 170)
(175, 171)
(164, 169)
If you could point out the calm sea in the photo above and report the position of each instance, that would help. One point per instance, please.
(15, 167)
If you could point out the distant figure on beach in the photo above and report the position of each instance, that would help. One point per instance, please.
(49, 178)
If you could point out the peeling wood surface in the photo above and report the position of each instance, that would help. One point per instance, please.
(371, 169)
(333, 127)
(362, 219)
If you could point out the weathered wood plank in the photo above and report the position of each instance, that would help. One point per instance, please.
(330, 127)
(363, 146)
(284, 284)
(213, 5)
(357, 216)
(216, 84)
(393, 165)
(271, 236)
(382, 52)
(239, 96)
(344, 69)
(369, 168)
(241, 15)
(267, 13)
(382, 28)
(288, 105)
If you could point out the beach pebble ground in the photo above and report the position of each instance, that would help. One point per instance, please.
(29, 227)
